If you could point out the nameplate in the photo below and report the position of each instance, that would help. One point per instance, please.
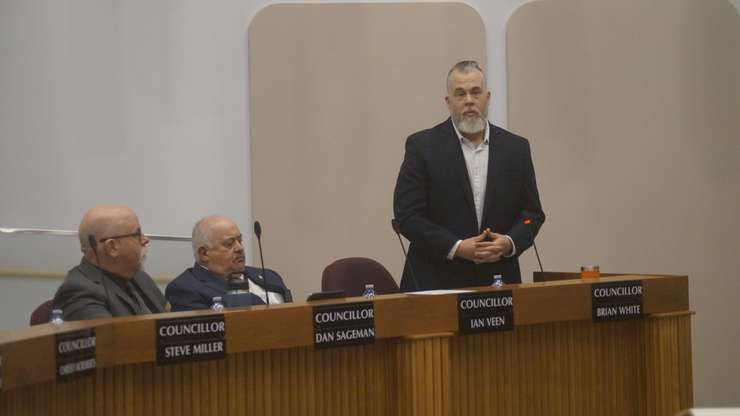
(75, 353)
(191, 339)
(615, 301)
(484, 312)
(343, 324)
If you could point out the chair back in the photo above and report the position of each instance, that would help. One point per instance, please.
(42, 314)
(351, 274)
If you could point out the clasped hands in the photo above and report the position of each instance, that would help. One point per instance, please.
(488, 247)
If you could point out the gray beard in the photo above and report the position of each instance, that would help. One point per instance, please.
(469, 126)
(142, 258)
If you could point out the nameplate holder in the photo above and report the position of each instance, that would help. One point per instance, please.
(340, 325)
(485, 312)
(191, 339)
(615, 301)
(75, 354)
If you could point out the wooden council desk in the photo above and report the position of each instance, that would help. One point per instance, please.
(556, 361)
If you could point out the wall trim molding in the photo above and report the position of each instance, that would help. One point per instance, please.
(55, 275)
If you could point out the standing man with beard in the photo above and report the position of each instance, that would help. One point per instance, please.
(109, 281)
(218, 249)
(463, 194)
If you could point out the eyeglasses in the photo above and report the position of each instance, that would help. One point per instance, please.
(136, 234)
(461, 94)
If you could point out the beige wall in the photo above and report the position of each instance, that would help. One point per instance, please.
(335, 89)
(633, 111)
(631, 108)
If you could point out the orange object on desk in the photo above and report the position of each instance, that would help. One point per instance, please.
(590, 272)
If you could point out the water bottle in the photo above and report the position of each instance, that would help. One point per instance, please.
(217, 305)
(369, 292)
(498, 280)
(56, 317)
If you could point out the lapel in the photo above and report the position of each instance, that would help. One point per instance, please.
(494, 167)
(272, 286)
(208, 279)
(109, 287)
(115, 289)
(459, 168)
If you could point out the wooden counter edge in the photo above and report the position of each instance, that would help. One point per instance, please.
(257, 328)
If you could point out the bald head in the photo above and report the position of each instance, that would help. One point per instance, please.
(203, 231)
(105, 221)
(217, 245)
(120, 246)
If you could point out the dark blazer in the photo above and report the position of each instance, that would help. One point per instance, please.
(196, 287)
(88, 293)
(433, 203)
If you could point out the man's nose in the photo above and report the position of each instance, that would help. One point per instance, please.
(144, 240)
(238, 246)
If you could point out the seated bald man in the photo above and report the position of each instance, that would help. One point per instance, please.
(109, 280)
(219, 256)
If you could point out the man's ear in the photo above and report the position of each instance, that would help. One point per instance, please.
(203, 254)
(111, 249)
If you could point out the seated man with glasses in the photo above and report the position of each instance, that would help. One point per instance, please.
(109, 281)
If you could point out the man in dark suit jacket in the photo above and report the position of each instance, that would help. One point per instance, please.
(109, 281)
(466, 195)
(219, 256)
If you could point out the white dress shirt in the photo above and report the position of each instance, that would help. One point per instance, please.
(476, 162)
(256, 289)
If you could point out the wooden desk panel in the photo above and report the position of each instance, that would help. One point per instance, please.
(555, 362)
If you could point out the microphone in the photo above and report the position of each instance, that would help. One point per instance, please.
(527, 222)
(257, 230)
(258, 233)
(397, 229)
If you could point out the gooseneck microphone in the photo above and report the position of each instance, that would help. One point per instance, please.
(397, 229)
(528, 222)
(258, 234)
